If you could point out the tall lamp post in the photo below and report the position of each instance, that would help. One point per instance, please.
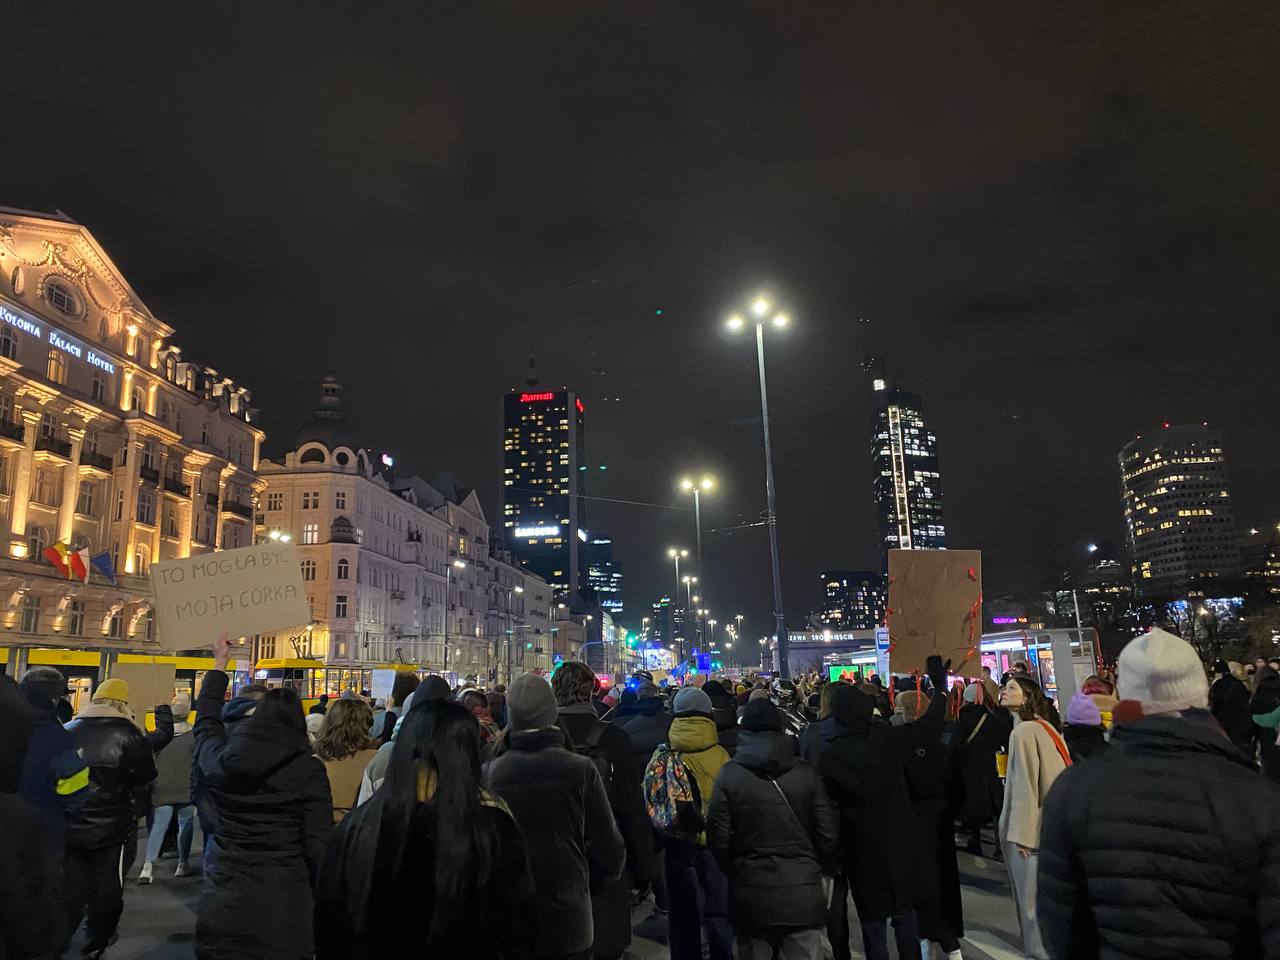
(761, 309)
(675, 553)
(447, 578)
(698, 487)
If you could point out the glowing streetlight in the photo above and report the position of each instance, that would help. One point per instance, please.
(459, 565)
(760, 308)
(704, 484)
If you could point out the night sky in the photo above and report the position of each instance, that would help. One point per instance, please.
(1058, 222)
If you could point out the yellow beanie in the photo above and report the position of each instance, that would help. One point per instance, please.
(112, 689)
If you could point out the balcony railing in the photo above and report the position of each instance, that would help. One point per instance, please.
(54, 445)
(239, 509)
(12, 431)
(149, 474)
(91, 458)
(172, 485)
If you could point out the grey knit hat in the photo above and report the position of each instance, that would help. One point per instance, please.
(691, 700)
(531, 705)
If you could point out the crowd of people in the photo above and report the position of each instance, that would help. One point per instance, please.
(1139, 819)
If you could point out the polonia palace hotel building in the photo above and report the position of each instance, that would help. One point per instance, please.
(112, 439)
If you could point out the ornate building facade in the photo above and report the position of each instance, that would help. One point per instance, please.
(110, 438)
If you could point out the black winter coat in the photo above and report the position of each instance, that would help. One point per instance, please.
(31, 909)
(648, 727)
(1229, 703)
(275, 814)
(611, 906)
(562, 810)
(121, 767)
(1084, 742)
(498, 925)
(1166, 846)
(863, 772)
(773, 847)
(975, 760)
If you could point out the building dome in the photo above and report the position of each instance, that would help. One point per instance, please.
(327, 424)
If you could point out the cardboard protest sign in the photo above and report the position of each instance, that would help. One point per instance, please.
(935, 606)
(242, 592)
(150, 684)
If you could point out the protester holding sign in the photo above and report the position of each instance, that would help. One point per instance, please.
(275, 814)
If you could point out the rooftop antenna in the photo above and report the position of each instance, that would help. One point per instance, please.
(533, 380)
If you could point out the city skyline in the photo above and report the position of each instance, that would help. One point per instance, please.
(1036, 258)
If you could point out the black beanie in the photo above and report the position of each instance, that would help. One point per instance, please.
(761, 715)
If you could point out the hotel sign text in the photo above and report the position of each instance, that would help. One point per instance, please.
(56, 339)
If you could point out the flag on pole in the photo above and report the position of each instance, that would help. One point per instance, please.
(72, 564)
(79, 564)
(103, 564)
(57, 555)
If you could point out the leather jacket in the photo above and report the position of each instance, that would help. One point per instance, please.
(121, 767)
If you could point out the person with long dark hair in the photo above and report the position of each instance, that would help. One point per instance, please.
(433, 845)
(275, 814)
(1037, 757)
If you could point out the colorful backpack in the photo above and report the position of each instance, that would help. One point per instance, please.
(671, 796)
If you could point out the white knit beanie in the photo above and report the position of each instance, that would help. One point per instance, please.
(1163, 673)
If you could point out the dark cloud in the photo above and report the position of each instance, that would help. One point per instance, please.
(1058, 221)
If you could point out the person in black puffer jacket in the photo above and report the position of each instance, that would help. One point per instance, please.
(608, 747)
(1084, 733)
(1266, 698)
(121, 767)
(559, 802)
(274, 816)
(775, 833)
(724, 711)
(1168, 845)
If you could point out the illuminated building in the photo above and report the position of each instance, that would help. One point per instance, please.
(543, 484)
(1260, 552)
(604, 575)
(396, 569)
(907, 484)
(1179, 524)
(666, 625)
(111, 439)
(852, 600)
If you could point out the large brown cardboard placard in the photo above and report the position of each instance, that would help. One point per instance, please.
(150, 684)
(935, 606)
(240, 592)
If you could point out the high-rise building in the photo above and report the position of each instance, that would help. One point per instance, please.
(666, 625)
(904, 453)
(852, 599)
(604, 575)
(544, 484)
(1178, 517)
(112, 440)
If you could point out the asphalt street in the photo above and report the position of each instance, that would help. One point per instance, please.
(159, 919)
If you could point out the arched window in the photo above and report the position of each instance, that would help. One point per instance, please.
(344, 570)
(138, 400)
(8, 343)
(314, 455)
(171, 369)
(61, 298)
(37, 540)
(141, 559)
(57, 369)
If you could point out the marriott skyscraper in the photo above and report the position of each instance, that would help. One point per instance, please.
(906, 481)
(544, 473)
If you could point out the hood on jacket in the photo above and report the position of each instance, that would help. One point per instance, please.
(255, 750)
(649, 706)
(766, 752)
(104, 710)
(1174, 734)
(691, 734)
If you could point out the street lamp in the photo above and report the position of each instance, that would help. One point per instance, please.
(447, 570)
(698, 487)
(675, 553)
(761, 308)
